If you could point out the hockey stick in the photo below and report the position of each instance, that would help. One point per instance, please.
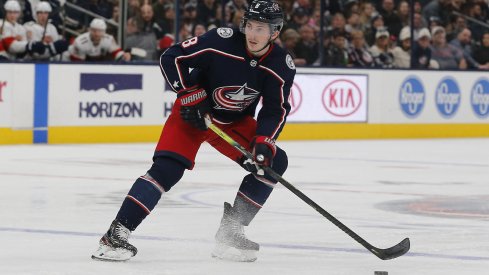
(45, 29)
(384, 254)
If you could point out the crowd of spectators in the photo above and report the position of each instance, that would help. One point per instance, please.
(448, 34)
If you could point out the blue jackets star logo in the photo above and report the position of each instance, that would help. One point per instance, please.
(234, 98)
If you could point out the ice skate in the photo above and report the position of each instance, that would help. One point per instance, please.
(114, 245)
(231, 242)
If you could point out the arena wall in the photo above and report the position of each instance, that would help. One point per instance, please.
(79, 103)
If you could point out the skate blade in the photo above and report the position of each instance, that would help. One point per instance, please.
(228, 253)
(109, 254)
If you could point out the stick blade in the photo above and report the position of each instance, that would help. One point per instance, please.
(393, 252)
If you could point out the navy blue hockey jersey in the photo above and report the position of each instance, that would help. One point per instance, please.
(235, 80)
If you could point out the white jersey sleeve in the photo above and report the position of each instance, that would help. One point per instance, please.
(80, 48)
(111, 46)
(35, 32)
(83, 48)
(14, 38)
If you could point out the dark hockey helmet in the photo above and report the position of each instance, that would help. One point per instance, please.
(266, 12)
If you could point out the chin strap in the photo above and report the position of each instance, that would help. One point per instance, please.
(266, 45)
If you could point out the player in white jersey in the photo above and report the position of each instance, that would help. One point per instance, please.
(14, 37)
(96, 45)
(42, 30)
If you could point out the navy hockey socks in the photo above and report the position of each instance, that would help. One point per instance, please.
(147, 190)
(255, 189)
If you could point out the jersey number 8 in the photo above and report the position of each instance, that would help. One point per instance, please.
(189, 42)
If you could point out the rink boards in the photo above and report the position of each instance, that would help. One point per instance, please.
(71, 103)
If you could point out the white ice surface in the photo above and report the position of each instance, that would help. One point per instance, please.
(57, 200)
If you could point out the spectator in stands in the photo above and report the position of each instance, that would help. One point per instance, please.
(418, 7)
(358, 54)
(168, 23)
(402, 53)
(418, 24)
(456, 5)
(380, 50)
(308, 47)
(457, 23)
(403, 13)
(234, 6)
(111, 29)
(353, 22)
(227, 21)
(434, 21)
(315, 20)
(367, 9)
(391, 20)
(376, 22)
(331, 7)
(350, 6)
(481, 53)
(336, 53)
(43, 31)
(96, 45)
(189, 17)
(147, 23)
(303, 4)
(236, 18)
(206, 12)
(300, 17)
(133, 8)
(290, 38)
(338, 22)
(159, 9)
(421, 50)
(477, 13)
(484, 8)
(287, 8)
(447, 56)
(131, 26)
(436, 8)
(199, 29)
(146, 34)
(463, 42)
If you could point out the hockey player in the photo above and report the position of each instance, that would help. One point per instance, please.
(42, 30)
(14, 39)
(97, 45)
(232, 70)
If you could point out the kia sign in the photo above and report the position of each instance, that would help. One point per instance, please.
(342, 98)
(328, 98)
